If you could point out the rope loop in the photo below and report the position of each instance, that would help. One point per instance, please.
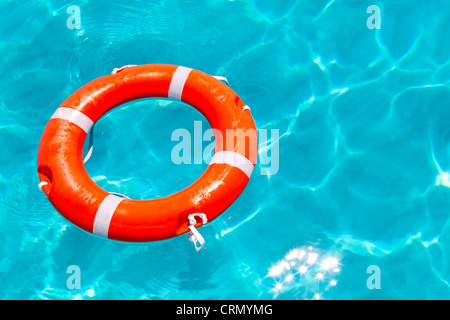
(223, 79)
(115, 70)
(194, 236)
(43, 183)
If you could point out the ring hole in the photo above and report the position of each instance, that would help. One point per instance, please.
(149, 148)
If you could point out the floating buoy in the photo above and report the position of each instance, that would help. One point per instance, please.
(67, 185)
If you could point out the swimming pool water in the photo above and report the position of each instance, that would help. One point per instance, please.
(364, 148)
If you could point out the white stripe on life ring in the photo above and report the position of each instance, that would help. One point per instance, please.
(74, 116)
(177, 83)
(233, 159)
(104, 214)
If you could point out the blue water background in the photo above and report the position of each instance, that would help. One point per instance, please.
(364, 146)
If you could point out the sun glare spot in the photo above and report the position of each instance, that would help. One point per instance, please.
(310, 268)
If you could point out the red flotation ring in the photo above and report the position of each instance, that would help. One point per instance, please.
(79, 199)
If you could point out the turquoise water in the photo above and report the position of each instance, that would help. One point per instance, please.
(363, 148)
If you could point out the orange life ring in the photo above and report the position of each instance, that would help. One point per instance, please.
(79, 199)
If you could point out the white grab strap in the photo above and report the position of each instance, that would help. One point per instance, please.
(43, 183)
(91, 144)
(194, 236)
(121, 68)
(220, 78)
(88, 155)
(120, 195)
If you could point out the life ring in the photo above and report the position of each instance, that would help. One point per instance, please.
(71, 191)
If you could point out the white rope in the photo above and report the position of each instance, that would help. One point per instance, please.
(88, 155)
(220, 78)
(120, 195)
(43, 183)
(121, 68)
(91, 145)
(194, 236)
